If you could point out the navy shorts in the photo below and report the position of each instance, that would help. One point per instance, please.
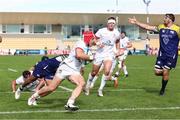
(49, 77)
(165, 62)
(43, 70)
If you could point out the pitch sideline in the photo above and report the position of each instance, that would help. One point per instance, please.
(92, 110)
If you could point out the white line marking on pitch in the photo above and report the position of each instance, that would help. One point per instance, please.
(13, 70)
(70, 90)
(30, 92)
(93, 110)
(124, 90)
(65, 88)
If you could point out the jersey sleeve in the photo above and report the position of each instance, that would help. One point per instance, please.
(20, 80)
(98, 33)
(81, 45)
(179, 32)
(159, 27)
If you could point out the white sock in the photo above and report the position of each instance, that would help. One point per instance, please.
(125, 70)
(21, 88)
(90, 79)
(113, 78)
(94, 79)
(119, 68)
(120, 64)
(70, 101)
(36, 95)
(103, 82)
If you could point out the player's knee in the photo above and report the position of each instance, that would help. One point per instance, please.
(82, 83)
(106, 73)
(158, 72)
(93, 73)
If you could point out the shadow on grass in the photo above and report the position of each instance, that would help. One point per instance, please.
(151, 90)
(51, 102)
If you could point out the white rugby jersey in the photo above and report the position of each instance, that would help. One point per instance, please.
(108, 39)
(71, 60)
(20, 80)
(124, 42)
(31, 86)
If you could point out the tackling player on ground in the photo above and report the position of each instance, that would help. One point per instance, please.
(20, 80)
(45, 69)
(69, 69)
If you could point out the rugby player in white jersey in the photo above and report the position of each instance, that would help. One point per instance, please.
(107, 38)
(124, 45)
(69, 69)
(101, 70)
(31, 87)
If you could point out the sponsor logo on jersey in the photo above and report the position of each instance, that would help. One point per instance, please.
(172, 32)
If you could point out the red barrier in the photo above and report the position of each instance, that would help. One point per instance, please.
(58, 52)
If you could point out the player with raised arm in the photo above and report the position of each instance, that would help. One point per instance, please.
(169, 35)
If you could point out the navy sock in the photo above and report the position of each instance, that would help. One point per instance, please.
(164, 83)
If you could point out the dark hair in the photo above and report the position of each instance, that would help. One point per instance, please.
(112, 18)
(44, 58)
(170, 16)
(26, 73)
(123, 32)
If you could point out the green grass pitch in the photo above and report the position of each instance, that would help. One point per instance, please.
(135, 98)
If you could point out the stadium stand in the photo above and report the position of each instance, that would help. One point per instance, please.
(28, 43)
(69, 43)
(140, 44)
(154, 43)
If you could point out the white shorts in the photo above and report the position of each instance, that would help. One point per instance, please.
(64, 71)
(112, 67)
(99, 59)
